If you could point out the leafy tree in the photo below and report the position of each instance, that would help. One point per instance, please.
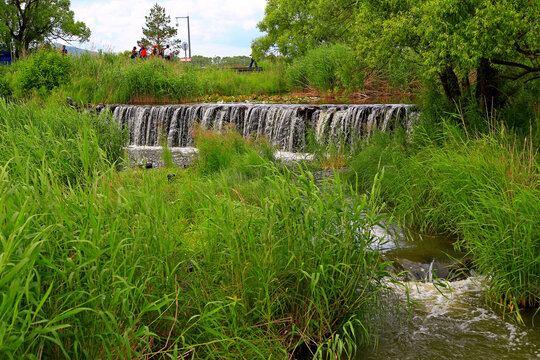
(29, 22)
(158, 31)
(460, 43)
(294, 27)
(482, 49)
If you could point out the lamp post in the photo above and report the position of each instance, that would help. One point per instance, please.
(188, 35)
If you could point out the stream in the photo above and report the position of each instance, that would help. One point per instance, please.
(447, 319)
(450, 322)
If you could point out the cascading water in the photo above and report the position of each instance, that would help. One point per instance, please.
(286, 126)
(451, 322)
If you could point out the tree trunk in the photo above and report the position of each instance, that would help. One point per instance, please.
(488, 94)
(466, 85)
(450, 84)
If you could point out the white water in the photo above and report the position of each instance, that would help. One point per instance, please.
(451, 323)
(286, 126)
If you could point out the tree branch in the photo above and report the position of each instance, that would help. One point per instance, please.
(514, 64)
(531, 79)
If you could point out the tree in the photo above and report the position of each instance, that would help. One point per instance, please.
(294, 27)
(158, 31)
(460, 43)
(471, 48)
(29, 22)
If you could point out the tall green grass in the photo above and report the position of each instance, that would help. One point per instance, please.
(327, 69)
(109, 78)
(484, 188)
(56, 140)
(235, 260)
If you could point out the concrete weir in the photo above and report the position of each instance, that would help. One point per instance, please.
(288, 127)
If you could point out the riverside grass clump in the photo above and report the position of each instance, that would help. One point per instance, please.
(54, 140)
(483, 188)
(109, 78)
(240, 260)
(326, 69)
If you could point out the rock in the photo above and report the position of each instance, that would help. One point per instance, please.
(447, 269)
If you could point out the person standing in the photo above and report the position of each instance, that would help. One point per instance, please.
(155, 50)
(134, 53)
(252, 62)
(64, 50)
(143, 52)
(167, 53)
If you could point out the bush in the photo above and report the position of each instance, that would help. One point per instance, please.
(326, 69)
(47, 69)
(5, 88)
(482, 188)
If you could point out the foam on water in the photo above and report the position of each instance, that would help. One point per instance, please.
(452, 322)
(184, 156)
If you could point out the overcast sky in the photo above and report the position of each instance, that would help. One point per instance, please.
(218, 27)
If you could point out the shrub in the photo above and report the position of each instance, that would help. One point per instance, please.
(5, 88)
(47, 69)
(326, 68)
(483, 188)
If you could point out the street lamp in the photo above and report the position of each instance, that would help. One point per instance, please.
(188, 35)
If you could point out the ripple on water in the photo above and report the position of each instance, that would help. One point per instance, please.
(452, 323)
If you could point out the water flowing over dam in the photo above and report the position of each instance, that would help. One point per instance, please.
(288, 127)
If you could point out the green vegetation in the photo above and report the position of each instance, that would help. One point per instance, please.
(46, 70)
(240, 257)
(234, 258)
(117, 79)
(158, 31)
(26, 24)
(5, 88)
(482, 188)
(109, 78)
(327, 69)
(475, 51)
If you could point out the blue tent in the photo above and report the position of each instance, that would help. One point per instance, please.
(5, 55)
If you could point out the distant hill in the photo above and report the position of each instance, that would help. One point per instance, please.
(75, 50)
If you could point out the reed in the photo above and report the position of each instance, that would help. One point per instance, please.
(239, 260)
(109, 78)
(483, 188)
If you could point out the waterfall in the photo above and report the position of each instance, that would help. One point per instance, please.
(288, 127)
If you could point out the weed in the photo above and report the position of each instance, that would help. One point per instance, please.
(232, 259)
(483, 188)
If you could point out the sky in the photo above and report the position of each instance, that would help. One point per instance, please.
(218, 27)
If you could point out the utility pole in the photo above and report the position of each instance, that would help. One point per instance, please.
(188, 34)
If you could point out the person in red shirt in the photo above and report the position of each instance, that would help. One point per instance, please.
(143, 52)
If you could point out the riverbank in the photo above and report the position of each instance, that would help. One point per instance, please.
(239, 256)
(481, 188)
(235, 257)
(110, 78)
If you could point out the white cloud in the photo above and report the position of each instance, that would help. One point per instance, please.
(218, 27)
